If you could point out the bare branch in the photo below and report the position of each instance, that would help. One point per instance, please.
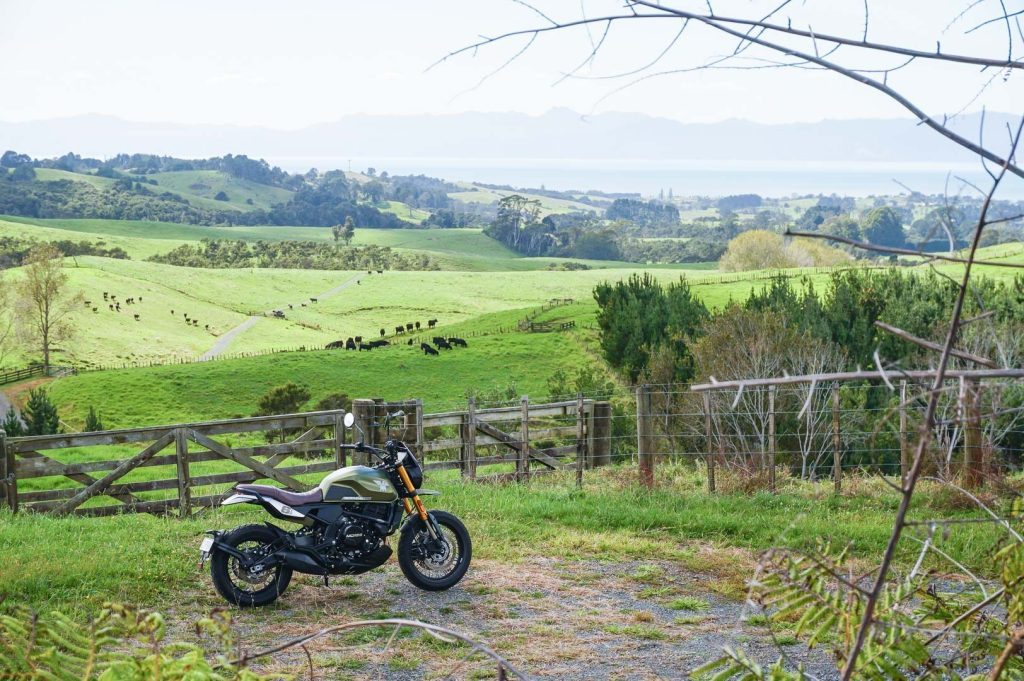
(934, 346)
(900, 251)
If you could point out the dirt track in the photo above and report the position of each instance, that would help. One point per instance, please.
(552, 618)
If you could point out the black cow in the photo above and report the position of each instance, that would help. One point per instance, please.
(409, 327)
(95, 309)
(380, 271)
(417, 326)
(431, 323)
(399, 330)
(359, 339)
(105, 294)
(111, 307)
(443, 344)
(369, 271)
(335, 345)
(458, 341)
(427, 350)
(364, 346)
(379, 343)
(382, 334)
(410, 341)
(438, 339)
(136, 317)
(350, 344)
(312, 300)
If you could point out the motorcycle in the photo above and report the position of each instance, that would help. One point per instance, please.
(344, 525)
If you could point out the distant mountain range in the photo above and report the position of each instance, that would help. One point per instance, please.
(557, 134)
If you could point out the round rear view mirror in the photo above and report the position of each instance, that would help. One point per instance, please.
(350, 420)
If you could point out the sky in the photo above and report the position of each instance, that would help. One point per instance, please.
(292, 64)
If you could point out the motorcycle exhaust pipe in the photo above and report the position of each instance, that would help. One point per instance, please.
(302, 562)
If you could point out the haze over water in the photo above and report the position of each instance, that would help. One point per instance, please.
(683, 177)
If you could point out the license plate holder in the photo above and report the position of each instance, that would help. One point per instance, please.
(204, 550)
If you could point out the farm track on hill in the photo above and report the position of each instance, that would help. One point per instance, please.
(226, 339)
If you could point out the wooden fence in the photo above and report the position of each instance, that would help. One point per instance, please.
(544, 437)
(15, 375)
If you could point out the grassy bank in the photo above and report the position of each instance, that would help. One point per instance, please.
(77, 563)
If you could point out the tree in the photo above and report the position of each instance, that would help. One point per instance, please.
(755, 250)
(93, 422)
(334, 402)
(882, 226)
(12, 424)
(336, 232)
(44, 303)
(40, 414)
(349, 230)
(284, 399)
(12, 159)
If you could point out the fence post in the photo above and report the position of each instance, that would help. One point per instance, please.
(904, 448)
(523, 462)
(469, 440)
(589, 407)
(420, 439)
(709, 442)
(973, 456)
(602, 438)
(363, 411)
(184, 482)
(645, 434)
(771, 438)
(7, 473)
(581, 444)
(837, 453)
(339, 440)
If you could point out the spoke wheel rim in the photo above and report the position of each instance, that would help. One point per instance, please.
(438, 565)
(251, 581)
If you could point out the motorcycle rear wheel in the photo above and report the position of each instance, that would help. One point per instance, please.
(440, 570)
(243, 587)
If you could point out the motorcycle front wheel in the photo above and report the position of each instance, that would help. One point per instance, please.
(253, 587)
(430, 565)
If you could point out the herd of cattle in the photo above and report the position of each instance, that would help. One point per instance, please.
(441, 343)
(114, 305)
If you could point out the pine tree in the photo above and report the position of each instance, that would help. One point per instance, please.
(93, 423)
(12, 424)
(41, 414)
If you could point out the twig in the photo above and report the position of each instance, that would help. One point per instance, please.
(934, 346)
(898, 251)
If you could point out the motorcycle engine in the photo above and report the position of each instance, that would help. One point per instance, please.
(354, 539)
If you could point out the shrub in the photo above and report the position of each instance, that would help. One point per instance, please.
(40, 414)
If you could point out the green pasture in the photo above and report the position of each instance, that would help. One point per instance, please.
(611, 519)
(205, 184)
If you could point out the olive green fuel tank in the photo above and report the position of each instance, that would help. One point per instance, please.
(358, 484)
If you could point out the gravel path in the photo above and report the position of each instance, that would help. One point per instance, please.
(226, 339)
(552, 618)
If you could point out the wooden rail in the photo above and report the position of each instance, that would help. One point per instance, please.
(564, 433)
(15, 375)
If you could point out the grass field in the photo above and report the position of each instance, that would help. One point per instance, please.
(611, 520)
(452, 249)
(205, 184)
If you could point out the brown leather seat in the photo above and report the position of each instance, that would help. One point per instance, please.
(313, 496)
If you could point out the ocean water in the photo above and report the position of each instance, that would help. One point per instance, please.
(686, 177)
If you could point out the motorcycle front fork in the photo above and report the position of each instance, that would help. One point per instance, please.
(432, 528)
